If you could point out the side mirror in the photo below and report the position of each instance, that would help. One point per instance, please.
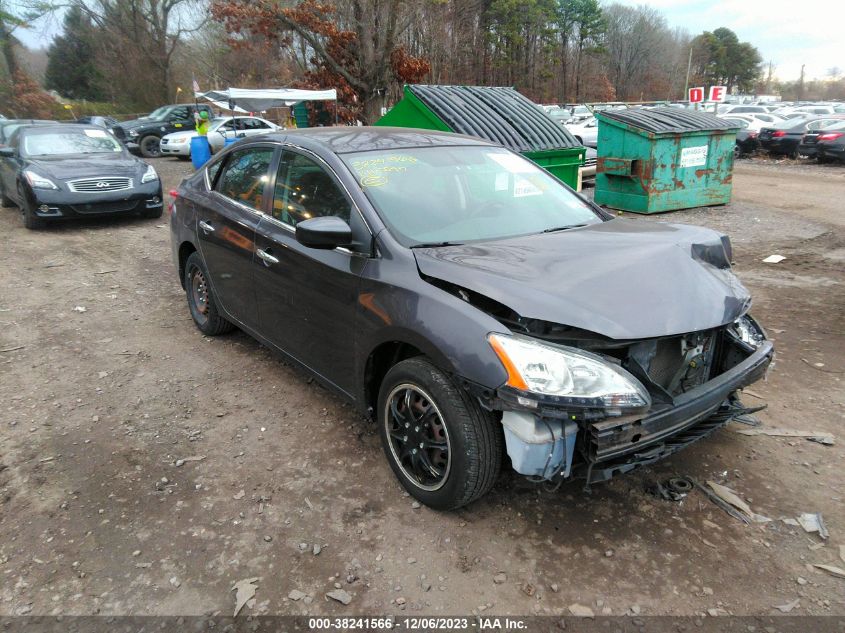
(6, 152)
(325, 232)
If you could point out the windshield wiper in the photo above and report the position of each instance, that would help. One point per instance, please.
(555, 229)
(436, 244)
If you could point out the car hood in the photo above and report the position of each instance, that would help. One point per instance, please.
(82, 166)
(622, 279)
(180, 135)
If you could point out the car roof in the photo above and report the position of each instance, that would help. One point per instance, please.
(348, 139)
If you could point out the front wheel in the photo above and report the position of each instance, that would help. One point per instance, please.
(201, 300)
(30, 219)
(442, 446)
(150, 146)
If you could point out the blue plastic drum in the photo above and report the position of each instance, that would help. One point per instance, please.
(200, 151)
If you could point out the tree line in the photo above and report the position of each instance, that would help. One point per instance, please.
(143, 53)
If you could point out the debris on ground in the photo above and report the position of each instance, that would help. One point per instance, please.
(813, 522)
(184, 460)
(822, 437)
(580, 611)
(500, 578)
(842, 553)
(296, 595)
(673, 489)
(340, 595)
(239, 495)
(245, 592)
(789, 606)
(731, 503)
(80, 309)
(774, 259)
(831, 569)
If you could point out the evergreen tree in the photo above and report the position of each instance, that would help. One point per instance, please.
(71, 65)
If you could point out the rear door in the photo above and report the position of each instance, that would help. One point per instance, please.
(307, 298)
(226, 224)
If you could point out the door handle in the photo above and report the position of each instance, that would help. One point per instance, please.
(266, 257)
(206, 227)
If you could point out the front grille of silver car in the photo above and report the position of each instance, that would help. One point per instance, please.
(100, 185)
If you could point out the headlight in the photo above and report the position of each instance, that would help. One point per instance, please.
(133, 133)
(747, 331)
(39, 182)
(149, 175)
(576, 377)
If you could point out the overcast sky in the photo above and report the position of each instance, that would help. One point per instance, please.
(787, 32)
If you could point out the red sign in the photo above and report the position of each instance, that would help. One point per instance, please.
(718, 93)
(696, 95)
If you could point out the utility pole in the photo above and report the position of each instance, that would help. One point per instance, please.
(689, 68)
(801, 84)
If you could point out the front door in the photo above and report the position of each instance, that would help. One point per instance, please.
(226, 221)
(307, 297)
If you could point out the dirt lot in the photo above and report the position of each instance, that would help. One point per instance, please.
(96, 407)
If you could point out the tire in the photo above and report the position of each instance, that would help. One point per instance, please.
(153, 213)
(448, 417)
(5, 201)
(201, 301)
(737, 152)
(30, 220)
(150, 146)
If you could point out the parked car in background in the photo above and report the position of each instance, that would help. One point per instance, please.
(559, 115)
(469, 302)
(746, 136)
(219, 130)
(784, 138)
(53, 172)
(144, 135)
(579, 113)
(103, 121)
(825, 144)
(588, 169)
(8, 126)
(741, 109)
(585, 132)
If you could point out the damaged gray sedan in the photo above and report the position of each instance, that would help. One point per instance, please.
(478, 309)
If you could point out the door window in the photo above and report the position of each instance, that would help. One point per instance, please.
(255, 124)
(305, 190)
(245, 175)
(179, 114)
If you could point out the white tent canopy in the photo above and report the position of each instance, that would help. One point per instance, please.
(250, 100)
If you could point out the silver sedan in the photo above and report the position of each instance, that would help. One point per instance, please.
(219, 130)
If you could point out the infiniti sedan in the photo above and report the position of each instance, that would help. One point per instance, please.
(57, 172)
(472, 305)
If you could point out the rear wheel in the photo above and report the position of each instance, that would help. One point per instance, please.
(442, 446)
(201, 300)
(150, 146)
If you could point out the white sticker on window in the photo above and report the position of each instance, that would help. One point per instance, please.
(513, 163)
(96, 133)
(502, 180)
(694, 156)
(523, 187)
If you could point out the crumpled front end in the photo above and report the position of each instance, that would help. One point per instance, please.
(691, 382)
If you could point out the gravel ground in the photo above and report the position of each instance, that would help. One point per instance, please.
(145, 469)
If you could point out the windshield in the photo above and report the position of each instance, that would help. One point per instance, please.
(57, 143)
(459, 194)
(158, 113)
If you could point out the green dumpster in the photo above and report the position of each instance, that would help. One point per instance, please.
(300, 114)
(650, 161)
(499, 115)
